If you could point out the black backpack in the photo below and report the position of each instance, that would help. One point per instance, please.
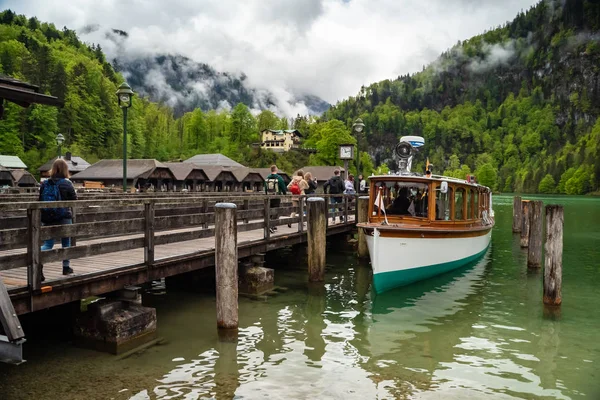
(335, 185)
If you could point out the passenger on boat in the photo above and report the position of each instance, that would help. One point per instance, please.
(401, 203)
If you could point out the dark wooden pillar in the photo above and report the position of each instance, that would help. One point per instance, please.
(226, 265)
(517, 214)
(317, 238)
(534, 254)
(553, 259)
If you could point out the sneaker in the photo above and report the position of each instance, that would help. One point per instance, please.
(289, 225)
(67, 270)
(272, 230)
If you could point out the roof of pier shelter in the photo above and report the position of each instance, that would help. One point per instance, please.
(184, 171)
(322, 173)
(136, 169)
(247, 174)
(75, 164)
(12, 162)
(24, 94)
(216, 160)
(5, 175)
(23, 177)
(216, 174)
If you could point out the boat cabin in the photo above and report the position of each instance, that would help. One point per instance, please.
(419, 200)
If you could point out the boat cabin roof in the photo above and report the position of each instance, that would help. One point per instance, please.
(414, 177)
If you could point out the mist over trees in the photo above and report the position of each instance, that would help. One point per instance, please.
(517, 106)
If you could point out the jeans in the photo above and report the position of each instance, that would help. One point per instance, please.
(66, 242)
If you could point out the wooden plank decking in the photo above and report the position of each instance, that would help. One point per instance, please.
(17, 278)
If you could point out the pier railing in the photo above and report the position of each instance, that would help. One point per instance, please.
(121, 223)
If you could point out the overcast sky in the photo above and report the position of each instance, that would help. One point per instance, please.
(324, 47)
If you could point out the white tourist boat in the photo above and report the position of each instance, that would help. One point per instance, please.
(424, 225)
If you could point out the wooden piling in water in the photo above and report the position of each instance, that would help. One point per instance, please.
(517, 214)
(317, 238)
(226, 265)
(363, 216)
(525, 221)
(553, 259)
(536, 228)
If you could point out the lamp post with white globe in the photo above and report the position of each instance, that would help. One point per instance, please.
(124, 94)
(358, 127)
(59, 141)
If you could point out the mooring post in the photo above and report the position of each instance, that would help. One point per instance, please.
(517, 214)
(226, 265)
(317, 238)
(525, 221)
(363, 216)
(534, 254)
(553, 259)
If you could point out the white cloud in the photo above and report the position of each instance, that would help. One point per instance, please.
(324, 47)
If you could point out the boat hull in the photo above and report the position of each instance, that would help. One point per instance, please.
(399, 261)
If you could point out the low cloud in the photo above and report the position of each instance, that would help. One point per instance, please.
(494, 56)
(287, 48)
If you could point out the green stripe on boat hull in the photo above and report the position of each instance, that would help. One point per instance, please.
(388, 280)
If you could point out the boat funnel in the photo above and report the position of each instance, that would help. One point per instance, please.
(406, 149)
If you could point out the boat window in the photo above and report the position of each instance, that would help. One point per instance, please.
(476, 204)
(442, 205)
(402, 198)
(469, 203)
(459, 196)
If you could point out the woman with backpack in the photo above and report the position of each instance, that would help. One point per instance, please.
(297, 186)
(58, 188)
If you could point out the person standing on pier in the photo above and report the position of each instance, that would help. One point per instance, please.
(274, 185)
(58, 188)
(312, 184)
(297, 186)
(335, 185)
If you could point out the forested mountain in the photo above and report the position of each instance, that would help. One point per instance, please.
(78, 73)
(518, 105)
(185, 85)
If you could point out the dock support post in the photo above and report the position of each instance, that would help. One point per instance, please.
(267, 220)
(149, 233)
(226, 265)
(517, 214)
(363, 216)
(34, 269)
(246, 207)
(525, 221)
(302, 209)
(553, 259)
(534, 254)
(317, 238)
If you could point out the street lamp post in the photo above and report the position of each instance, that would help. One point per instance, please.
(358, 127)
(124, 94)
(59, 141)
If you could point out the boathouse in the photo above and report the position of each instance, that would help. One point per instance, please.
(220, 179)
(142, 174)
(188, 176)
(249, 179)
(75, 164)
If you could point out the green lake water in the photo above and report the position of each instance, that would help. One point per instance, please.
(477, 333)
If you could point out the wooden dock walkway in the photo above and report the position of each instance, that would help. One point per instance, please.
(123, 242)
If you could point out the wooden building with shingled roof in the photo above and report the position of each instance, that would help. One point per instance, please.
(75, 164)
(142, 174)
(188, 176)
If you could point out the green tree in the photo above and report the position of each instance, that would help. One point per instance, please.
(547, 185)
(487, 175)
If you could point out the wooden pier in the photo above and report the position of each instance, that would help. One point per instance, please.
(130, 240)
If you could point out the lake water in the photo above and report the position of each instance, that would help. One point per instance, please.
(477, 333)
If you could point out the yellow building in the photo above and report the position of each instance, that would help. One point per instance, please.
(281, 140)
